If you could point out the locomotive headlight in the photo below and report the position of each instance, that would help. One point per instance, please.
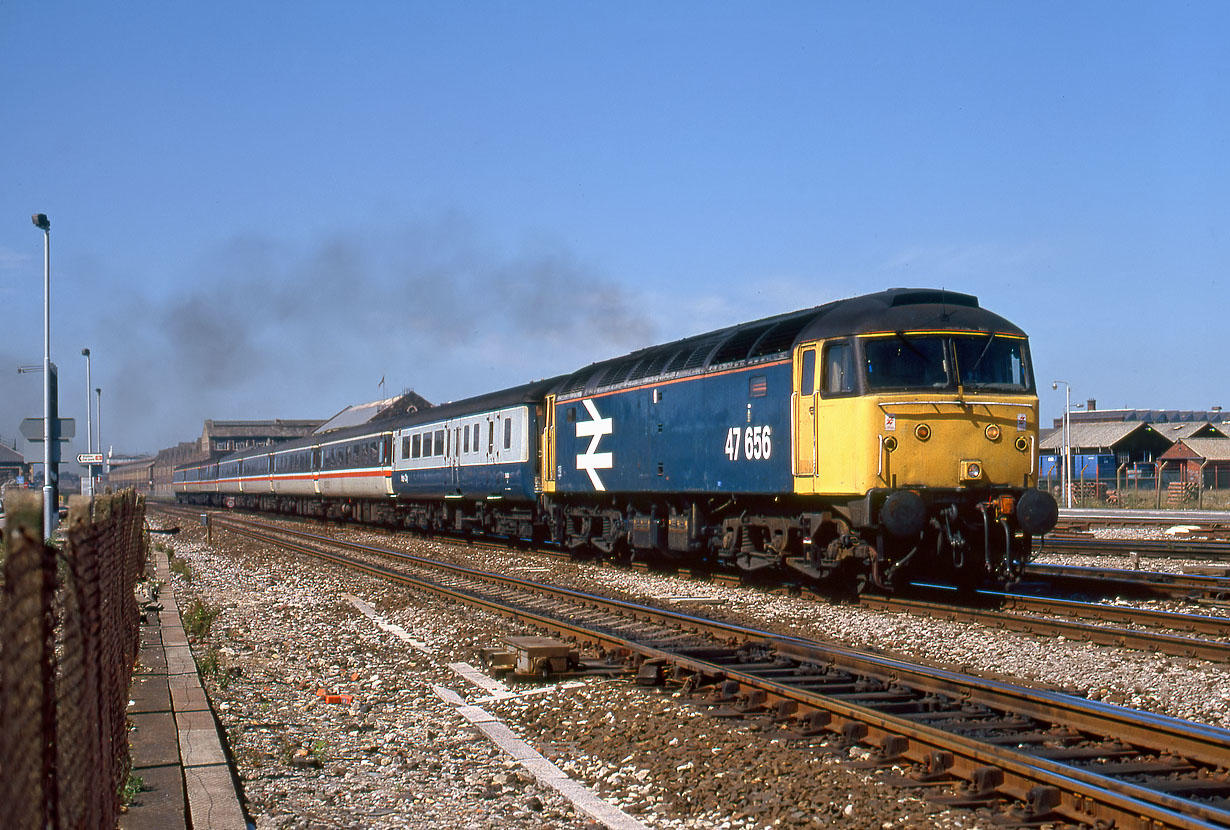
(971, 470)
(992, 432)
(922, 431)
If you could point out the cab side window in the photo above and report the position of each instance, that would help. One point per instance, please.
(838, 370)
(807, 383)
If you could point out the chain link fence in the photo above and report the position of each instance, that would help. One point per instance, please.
(69, 635)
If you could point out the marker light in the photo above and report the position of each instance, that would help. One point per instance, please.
(992, 432)
(922, 431)
(1022, 443)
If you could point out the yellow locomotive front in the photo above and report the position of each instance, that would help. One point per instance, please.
(921, 444)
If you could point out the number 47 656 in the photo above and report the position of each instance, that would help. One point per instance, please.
(756, 442)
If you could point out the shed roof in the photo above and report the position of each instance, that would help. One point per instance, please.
(10, 456)
(1104, 434)
(1180, 431)
(1207, 449)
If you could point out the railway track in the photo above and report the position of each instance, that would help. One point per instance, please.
(1152, 583)
(1043, 616)
(1053, 756)
(1179, 548)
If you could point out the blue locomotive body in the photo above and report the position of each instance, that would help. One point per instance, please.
(724, 432)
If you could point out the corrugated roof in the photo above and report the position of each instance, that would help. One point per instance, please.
(1105, 434)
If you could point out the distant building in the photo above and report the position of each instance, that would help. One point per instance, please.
(136, 474)
(1161, 445)
(404, 404)
(12, 464)
(222, 437)
(1205, 461)
(1091, 413)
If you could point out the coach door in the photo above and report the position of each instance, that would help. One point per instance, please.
(803, 406)
(454, 457)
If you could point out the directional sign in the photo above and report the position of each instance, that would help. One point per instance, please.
(32, 429)
(90, 458)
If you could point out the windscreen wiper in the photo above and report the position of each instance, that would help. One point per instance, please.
(974, 369)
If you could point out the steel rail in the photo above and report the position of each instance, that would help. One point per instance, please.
(1150, 548)
(1100, 634)
(1168, 620)
(1078, 793)
(1156, 582)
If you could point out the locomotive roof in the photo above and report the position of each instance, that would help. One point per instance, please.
(772, 338)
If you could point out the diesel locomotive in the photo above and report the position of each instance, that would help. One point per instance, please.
(879, 440)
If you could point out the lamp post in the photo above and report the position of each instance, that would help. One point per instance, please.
(98, 392)
(89, 424)
(50, 508)
(1066, 474)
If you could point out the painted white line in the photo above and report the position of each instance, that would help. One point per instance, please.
(497, 689)
(396, 630)
(448, 695)
(547, 773)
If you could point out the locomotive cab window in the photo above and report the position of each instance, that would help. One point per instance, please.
(976, 362)
(807, 383)
(992, 362)
(838, 371)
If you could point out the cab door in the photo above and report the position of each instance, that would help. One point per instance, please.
(803, 415)
(547, 448)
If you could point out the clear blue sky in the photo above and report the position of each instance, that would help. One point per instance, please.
(260, 209)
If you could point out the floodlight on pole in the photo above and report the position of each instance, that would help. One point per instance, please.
(1065, 477)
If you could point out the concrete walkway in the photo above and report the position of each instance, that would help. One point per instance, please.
(176, 749)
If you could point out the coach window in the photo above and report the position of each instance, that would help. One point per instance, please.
(416, 446)
(405, 447)
(439, 442)
(491, 436)
(508, 433)
(465, 442)
(838, 369)
(807, 383)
